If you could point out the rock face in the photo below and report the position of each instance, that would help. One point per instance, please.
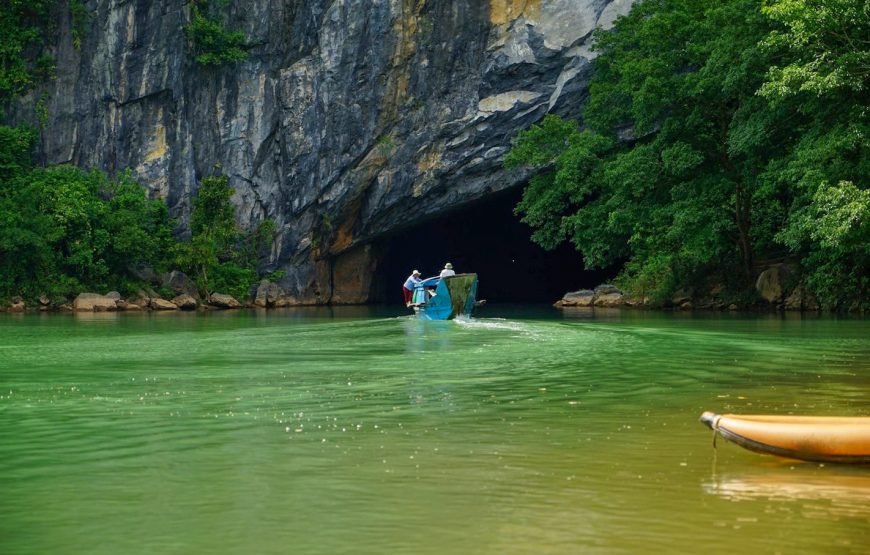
(270, 294)
(349, 120)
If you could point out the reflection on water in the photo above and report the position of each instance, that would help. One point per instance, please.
(845, 491)
(365, 430)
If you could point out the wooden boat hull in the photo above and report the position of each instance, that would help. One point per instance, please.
(807, 438)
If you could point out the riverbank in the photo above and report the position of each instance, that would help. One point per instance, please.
(178, 293)
(774, 291)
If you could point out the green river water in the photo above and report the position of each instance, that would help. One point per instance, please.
(357, 430)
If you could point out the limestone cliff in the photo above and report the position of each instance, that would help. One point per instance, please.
(349, 120)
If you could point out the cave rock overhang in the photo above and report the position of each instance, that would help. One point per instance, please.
(484, 236)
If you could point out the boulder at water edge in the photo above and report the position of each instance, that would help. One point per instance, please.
(770, 282)
(608, 296)
(584, 297)
(268, 294)
(184, 302)
(223, 301)
(801, 299)
(93, 302)
(162, 304)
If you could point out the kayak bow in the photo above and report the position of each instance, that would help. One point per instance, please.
(839, 439)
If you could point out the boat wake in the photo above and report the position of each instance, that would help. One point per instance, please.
(496, 324)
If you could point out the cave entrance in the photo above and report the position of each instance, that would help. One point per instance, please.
(485, 237)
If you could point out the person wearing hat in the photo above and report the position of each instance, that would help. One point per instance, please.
(408, 288)
(447, 271)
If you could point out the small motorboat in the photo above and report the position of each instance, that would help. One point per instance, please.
(446, 298)
(839, 439)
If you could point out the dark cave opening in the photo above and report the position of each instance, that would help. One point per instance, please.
(487, 238)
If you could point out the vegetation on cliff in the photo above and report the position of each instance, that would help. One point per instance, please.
(219, 254)
(718, 137)
(24, 30)
(213, 44)
(64, 230)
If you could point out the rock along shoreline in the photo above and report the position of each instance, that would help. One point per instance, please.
(772, 294)
(184, 297)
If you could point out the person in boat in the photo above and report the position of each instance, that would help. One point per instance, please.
(408, 287)
(447, 271)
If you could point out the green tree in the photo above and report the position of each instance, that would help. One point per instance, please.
(222, 256)
(830, 43)
(64, 230)
(823, 81)
(664, 178)
(685, 172)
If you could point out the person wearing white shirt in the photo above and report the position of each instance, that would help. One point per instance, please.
(408, 287)
(447, 271)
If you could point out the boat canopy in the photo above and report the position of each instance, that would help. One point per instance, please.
(429, 282)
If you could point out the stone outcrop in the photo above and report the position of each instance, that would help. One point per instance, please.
(682, 297)
(713, 298)
(608, 296)
(220, 300)
(179, 283)
(185, 302)
(604, 296)
(801, 299)
(348, 121)
(583, 297)
(268, 294)
(162, 304)
(771, 283)
(93, 302)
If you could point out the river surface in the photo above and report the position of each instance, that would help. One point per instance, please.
(325, 431)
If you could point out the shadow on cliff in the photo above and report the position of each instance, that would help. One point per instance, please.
(489, 239)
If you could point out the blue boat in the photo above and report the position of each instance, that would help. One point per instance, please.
(446, 298)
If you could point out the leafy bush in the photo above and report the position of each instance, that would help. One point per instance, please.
(213, 43)
(219, 254)
(64, 230)
(24, 27)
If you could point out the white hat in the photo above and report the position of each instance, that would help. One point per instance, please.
(415, 273)
(448, 266)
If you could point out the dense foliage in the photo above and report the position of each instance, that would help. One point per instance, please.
(221, 256)
(23, 30)
(64, 231)
(213, 43)
(718, 137)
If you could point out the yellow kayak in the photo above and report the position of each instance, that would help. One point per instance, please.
(840, 439)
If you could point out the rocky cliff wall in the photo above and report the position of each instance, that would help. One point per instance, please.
(350, 119)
